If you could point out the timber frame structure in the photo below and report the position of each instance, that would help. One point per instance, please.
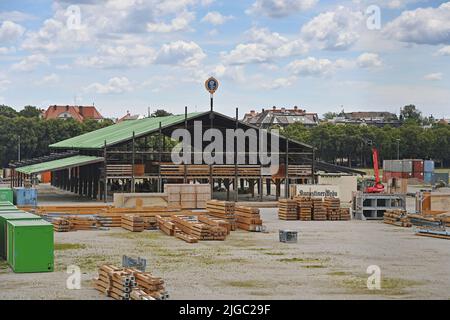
(135, 156)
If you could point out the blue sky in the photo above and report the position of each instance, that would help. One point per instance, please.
(134, 54)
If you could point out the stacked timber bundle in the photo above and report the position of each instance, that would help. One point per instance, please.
(215, 222)
(129, 284)
(248, 219)
(166, 225)
(109, 221)
(190, 228)
(333, 206)
(445, 219)
(397, 218)
(319, 210)
(287, 209)
(61, 225)
(133, 223)
(223, 210)
(304, 206)
(345, 214)
(150, 223)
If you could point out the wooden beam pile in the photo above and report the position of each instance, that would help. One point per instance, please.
(333, 206)
(397, 218)
(166, 225)
(133, 223)
(319, 210)
(197, 230)
(74, 223)
(215, 222)
(287, 209)
(129, 284)
(223, 210)
(304, 205)
(61, 225)
(345, 214)
(248, 219)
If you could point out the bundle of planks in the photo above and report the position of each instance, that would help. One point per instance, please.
(397, 218)
(61, 225)
(287, 209)
(319, 210)
(190, 227)
(74, 223)
(333, 206)
(129, 284)
(215, 222)
(304, 205)
(166, 225)
(248, 219)
(223, 210)
(108, 221)
(133, 223)
(345, 214)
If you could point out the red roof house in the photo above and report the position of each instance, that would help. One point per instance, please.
(78, 113)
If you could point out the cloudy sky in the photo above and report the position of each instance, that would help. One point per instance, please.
(317, 54)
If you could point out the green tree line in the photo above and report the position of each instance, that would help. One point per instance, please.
(36, 134)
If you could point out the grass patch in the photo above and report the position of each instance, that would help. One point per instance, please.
(274, 253)
(150, 235)
(299, 260)
(3, 266)
(389, 286)
(314, 266)
(247, 284)
(69, 246)
(92, 262)
(338, 273)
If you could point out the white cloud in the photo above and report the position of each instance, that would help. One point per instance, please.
(422, 26)
(369, 60)
(187, 54)
(311, 67)
(334, 30)
(10, 31)
(279, 83)
(216, 18)
(7, 50)
(119, 57)
(179, 23)
(30, 63)
(264, 46)
(50, 79)
(16, 16)
(445, 51)
(116, 85)
(434, 76)
(4, 83)
(280, 8)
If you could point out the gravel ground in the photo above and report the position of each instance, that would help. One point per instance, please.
(328, 262)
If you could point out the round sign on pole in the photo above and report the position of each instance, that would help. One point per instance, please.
(212, 84)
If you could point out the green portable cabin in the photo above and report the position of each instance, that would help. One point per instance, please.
(6, 216)
(30, 246)
(5, 203)
(9, 208)
(6, 194)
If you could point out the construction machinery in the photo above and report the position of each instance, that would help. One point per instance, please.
(378, 187)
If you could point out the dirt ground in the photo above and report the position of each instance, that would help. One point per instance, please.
(328, 262)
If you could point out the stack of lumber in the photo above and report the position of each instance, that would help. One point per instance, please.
(223, 210)
(397, 218)
(109, 221)
(71, 210)
(248, 219)
(150, 223)
(129, 284)
(190, 227)
(133, 223)
(433, 233)
(319, 210)
(333, 206)
(166, 225)
(304, 206)
(216, 222)
(287, 209)
(345, 214)
(445, 218)
(61, 225)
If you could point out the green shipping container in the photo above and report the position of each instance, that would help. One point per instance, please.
(6, 195)
(10, 208)
(5, 203)
(6, 216)
(30, 246)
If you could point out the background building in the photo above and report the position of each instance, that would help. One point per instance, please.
(281, 117)
(78, 113)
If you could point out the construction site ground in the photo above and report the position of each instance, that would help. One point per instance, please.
(329, 261)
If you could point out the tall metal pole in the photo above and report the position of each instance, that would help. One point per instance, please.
(18, 150)
(133, 163)
(185, 127)
(236, 176)
(212, 102)
(160, 185)
(106, 175)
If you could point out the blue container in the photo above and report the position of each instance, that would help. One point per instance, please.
(25, 196)
(428, 177)
(428, 166)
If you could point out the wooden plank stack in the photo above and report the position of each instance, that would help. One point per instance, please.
(248, 219)
(74, 223)
(133, 223)
(304, 205)
(333, 206)
(129, 284)
(61, 225)
(216, 222)
(345, 214)
(287, 209)
(319, 210)
(197, 230)
(223, 210)
(397, 218)
(166, 225)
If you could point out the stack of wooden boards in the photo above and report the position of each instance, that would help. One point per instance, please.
(133, 223)
(287, 209)
(74, 223)
(397, 218)
(307, 209)
(223, 210)
(248, 219)
(188, 196)
(129, 284)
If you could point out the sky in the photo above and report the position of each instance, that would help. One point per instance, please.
(319, 55)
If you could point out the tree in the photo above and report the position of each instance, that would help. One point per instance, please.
(410, 113)
(30, 112)
(160, 113)
(7, 111)
(330, 115)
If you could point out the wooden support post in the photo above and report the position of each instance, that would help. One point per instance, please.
(313, 167)
(236, 168)
(185, 127)
(105, 186)
(133, 162)
(286, 191)
(160, 186)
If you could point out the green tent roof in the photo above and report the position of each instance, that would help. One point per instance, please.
(120, 132)
(60, 164)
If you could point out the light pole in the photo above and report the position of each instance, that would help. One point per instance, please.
(398, 149)
(18, 149)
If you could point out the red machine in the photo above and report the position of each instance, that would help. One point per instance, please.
(378, 187)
